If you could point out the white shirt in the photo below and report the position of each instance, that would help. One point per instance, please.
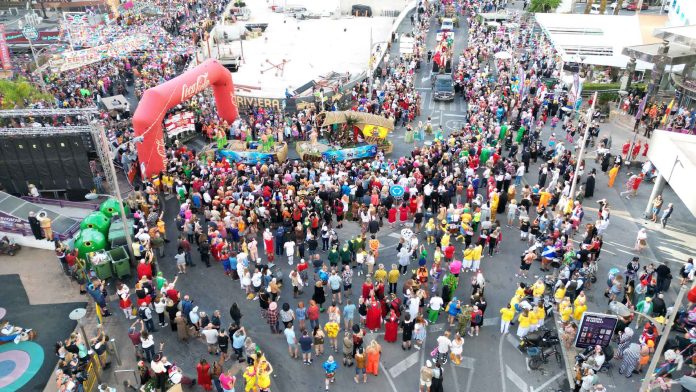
(149, 342)
(289, 248)
(436, 303)
(443, 344)
(211, 335)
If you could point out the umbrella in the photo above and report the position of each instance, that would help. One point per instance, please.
(689, 383)
(407, 233)
(503, 55)
(619, 309)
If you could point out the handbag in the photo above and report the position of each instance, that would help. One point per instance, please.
(434, 352)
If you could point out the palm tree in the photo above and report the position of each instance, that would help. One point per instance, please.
(543, 5)
(619, 4)
(588, 6)
(602, 7)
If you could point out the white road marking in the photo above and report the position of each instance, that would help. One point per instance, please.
(517, 380)
(500, 358)
(425, 78)
(454, 115)
(488, 322)
(394, 235)
(423, 88)
(467, 363)
(404, 365)
(437, 327)
(547, 383)
(391, 382)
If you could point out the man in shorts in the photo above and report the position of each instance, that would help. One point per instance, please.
(426, 376)
(306, 347)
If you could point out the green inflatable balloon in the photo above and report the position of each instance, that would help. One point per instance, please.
(110, 208)
(97, 221)
(89, 240)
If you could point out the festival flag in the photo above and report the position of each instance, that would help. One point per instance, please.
(667, 111)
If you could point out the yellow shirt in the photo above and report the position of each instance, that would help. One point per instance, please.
(524, 321)
(507, 314)
(478, 251)
(331, 329)
(538, 289)
(532, 318)
(560, 294)
(466, 218)
(578, 311)
(515, 300)
(394, 276)
(380, 275)
(469, 254)
(445, 240)
(565, 314)
(540, 313)
(437, 256)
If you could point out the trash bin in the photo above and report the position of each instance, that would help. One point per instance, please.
(101, 264)
(120, 261)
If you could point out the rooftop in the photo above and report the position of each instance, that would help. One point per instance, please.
(308, 49)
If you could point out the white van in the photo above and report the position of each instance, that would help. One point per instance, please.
(447, 24)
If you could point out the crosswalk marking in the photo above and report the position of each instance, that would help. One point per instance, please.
(517, 380)
(467, 363)
(404, 365)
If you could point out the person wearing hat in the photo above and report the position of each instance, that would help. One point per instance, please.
(272, 317)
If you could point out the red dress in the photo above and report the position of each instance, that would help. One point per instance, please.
(413, 205)
(392, 215)
(204, 380)
(403, 213)
(374, 316)
(366, 288)
(390, 329)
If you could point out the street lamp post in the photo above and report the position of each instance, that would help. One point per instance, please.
(104, 152)
(649, 374)
(581, 155)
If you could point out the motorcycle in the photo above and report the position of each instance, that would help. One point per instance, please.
(8, 246)
(539, 345)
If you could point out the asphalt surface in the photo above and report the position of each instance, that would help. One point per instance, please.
(491, 361)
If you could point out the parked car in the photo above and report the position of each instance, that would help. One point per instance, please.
(634, 6)
(595, 9)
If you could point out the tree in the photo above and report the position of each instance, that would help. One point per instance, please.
(602, 7)
(619, 4)
(543, 5)
(20, 93)
(588, 6)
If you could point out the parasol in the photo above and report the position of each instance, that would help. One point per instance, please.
(407, 233)
(619, 309)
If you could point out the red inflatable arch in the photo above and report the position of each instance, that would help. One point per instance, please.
(156, 101)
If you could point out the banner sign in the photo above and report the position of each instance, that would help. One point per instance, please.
(178, 123)
(265, 103)
(12, 223)
(80, 58)
(595, 329)
(250, 157)
(4, 50)
(347, 154)
(44, 38)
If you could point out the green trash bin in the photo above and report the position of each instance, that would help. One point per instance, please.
(101, 263)
(120, 261)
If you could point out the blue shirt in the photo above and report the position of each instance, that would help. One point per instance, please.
(348, 311)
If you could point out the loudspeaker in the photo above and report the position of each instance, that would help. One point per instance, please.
(53, 162)
(42, 180)
(65, 155)
(17, 150)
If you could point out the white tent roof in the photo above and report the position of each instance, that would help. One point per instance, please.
(597, 39)
(673, 155)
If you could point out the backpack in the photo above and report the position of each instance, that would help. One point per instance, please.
(142, 314)
(478, 319)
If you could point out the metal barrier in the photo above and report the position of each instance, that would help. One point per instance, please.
(61, 203)
(94, 370)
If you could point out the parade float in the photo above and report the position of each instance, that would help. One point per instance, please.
(265, 150)
(350, 135)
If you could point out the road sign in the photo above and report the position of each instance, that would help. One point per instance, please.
(595, 329)
(30, 33)
(396, 191)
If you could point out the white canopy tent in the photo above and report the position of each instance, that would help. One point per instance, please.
(673, 155)
(596, 39)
